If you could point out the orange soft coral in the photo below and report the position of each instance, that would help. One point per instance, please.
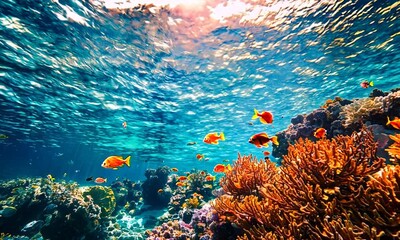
(330, 189)
(394, 149)
(247, 176)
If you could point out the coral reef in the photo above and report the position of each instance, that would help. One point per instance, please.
(156, 179)
(330, 189)
(342, 117)
(37, 206)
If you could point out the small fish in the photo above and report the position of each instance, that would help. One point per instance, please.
(100, 180)
(367, 84)
(220, 168)
(266, 153)
(262, 139)
(225, 160)
(160, 190)
(208, 186)
(114, 162)
(199, 156)
(182, 178)
(265, 117)
(395, 122)
(65, 174)
(174, 169)
(191, 143)
(89, 179)
(202, 173)
(180, 184)
(3, 136)
(197, 195)
(251, 123)
(210, 178)
(124, 124)
(320, 133)
(206, 159)
(212, 138)
(51, 178)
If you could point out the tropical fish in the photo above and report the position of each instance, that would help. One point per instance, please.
(65, 174)
(174, 169)
(395, 122)
(115, 162)
(265, 117)
(180, 184)
(197, 195)
(100, 180)
(212, 138)
(210, 178)
(199, 156)
(219, 168)
(3, 136)
(262, 139)
(124, 124)
(182, 178)
(160, 190)
(51, 178)
(89, 179)
(320, 133)
(225, 160)
(191, 143)
(202, 173)
(367, 84)
(266, 153)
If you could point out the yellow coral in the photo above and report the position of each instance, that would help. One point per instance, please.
(191, 203)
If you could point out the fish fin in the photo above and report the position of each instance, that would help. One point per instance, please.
(388, 122)
(371, 83)
(263, 120)
(105, 179)
(395, 118)
(264, 145)
(128, 161)
(222, 136)
(274, 140)
(255, 114)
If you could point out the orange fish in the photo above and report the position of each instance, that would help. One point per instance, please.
(210, 178)
(320, 133)
(182, 178)
(266, 153)
(262, 139)
(115, 162)
(199, 156)
(160, 190)
(202, 173)
(124, 124)
(265, 117)
(100, 180)
(180, 184)
(395, 122)
(219, 168)
(174, 169)
(212, 138)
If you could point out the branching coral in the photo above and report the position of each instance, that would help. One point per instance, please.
(247, 176)
(394, 149)
(360, 109)
(331, 189)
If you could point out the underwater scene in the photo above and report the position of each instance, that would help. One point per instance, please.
(199, 119)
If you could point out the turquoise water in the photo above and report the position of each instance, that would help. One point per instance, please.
(71, 72)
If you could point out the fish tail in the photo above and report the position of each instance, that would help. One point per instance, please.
(274, 140)
(371, 83)
(222, 136)
(128, 161)
(255, 114)
(388, 122)
(105, 179)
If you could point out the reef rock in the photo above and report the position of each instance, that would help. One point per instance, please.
(103, 197)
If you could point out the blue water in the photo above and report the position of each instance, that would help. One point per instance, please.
(66, 86)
